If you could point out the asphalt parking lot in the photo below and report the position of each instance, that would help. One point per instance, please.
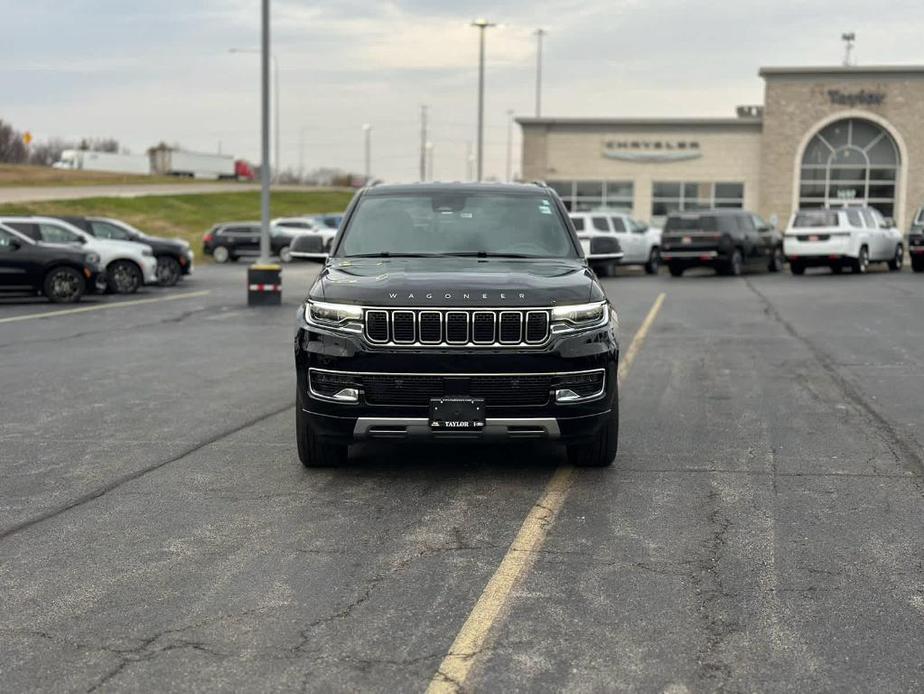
(762, 528)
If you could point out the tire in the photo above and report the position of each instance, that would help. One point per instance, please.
(285, 254)
(898, 260)
(777, 260)
(312, 451)
(675, 269)
(63, 285)
(917, 263)
(168, 270)
(733, 266)
(861, 264)
(220, 254)
(654, 261)
(124, 277)
(600, 452)
(797, 268)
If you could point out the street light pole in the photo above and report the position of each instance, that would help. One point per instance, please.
(275, 95)
(367, 129)
(539, 34)
(264, 134)
(481, 24)
(509, 143)
(423, 143)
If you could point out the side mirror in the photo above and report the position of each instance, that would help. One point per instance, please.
(887, 223)
(765, 228)
(302, 255)
(81, 240)
(641, 229)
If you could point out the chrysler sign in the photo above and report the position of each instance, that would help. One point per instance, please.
(860, 98)
(652, 150)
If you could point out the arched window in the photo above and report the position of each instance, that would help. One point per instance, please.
(850, 161)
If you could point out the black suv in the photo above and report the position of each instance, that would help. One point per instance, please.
(724, 239)
(62, 273)
(916, 242)
(174, 257)
(235, 240)
(451, 312)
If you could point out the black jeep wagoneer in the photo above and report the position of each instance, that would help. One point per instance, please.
(456, 311)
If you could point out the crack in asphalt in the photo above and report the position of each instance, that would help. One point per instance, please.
(905, 454)
(132, 476)
(709, 586)
(115, 329)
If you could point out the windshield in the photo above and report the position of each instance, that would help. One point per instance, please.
(920, 219)
(704, 223)
(815, 218)
(457, 223)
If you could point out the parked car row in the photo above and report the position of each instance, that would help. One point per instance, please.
(63, 258)
(230, 241)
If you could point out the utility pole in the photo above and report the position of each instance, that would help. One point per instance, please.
(469, 162)
(848, 38)
(429, 149)
(423, 143)
(481, 25)
(539, 34)
(367, 129)
(509, 144)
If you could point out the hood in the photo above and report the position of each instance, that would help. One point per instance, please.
(463, 282)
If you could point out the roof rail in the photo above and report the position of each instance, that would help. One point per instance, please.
(540, 183)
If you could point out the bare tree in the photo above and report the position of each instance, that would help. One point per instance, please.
(12, 148)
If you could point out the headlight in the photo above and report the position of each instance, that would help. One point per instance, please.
(337, 316)
(579, 317)
(93, 258)
(147, 252)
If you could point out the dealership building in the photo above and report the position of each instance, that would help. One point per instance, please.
(824, 136)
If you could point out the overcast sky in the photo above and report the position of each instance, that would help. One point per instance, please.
(143, 72)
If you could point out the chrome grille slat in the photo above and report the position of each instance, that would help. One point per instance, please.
(453, 327)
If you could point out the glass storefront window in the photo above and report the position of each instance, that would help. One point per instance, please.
(851, 160)
(670, 196)
(581, 196)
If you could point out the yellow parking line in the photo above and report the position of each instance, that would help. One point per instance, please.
(117, 304)
(471, 639)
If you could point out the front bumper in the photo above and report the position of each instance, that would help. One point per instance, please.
(149, 269)
(187, 261)
(595, 350)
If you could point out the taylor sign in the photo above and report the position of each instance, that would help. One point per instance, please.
(860, 98)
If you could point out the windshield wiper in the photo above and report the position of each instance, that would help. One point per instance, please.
(389, 254)
(488, 254)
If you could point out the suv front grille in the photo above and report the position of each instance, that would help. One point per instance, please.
(456, 327)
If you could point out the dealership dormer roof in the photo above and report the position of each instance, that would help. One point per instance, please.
(642, 122)
(843, 71)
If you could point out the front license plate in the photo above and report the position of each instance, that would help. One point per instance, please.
(456, 414)
(686, 239)
(813, 238)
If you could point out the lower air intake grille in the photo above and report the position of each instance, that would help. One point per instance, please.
(410, 389)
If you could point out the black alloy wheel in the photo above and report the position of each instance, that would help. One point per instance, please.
(64, 285)
(861, 264)
(895, 265)
(654, 261)
(124, 277)
(168, 271)
(777, 260)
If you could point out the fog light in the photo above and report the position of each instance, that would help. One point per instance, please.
(566, 395)
(347, 395)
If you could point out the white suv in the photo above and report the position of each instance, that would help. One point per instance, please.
(128, 265)
(837, 238)
(638, 243)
